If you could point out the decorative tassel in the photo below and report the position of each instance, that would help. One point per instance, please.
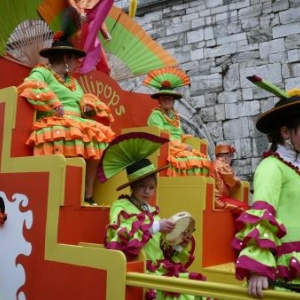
(132, 8)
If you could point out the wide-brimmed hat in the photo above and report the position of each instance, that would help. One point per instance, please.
(139, 170)
(70, 24)
(286, 107)
(64, 47)
(164, 92)
(224, 149)
(166, 80)
(129, 152)
(282, 111)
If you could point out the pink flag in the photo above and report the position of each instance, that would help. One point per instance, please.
(91, 42)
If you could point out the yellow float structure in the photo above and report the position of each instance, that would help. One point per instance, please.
(51, 245)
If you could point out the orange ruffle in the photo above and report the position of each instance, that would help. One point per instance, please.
(100, 108)
(57, 128)
(73, 150)
(39, 95)
(70, 137)
(187, 163)
(31, 84)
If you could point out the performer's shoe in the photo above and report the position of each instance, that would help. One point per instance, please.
(90, 201)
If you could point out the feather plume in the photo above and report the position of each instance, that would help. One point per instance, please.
(70, 22)
(268, 86)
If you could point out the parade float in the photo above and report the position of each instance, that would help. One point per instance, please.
(51, 243)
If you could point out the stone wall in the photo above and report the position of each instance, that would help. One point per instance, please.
(218, 43)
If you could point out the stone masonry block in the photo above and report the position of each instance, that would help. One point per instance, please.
(177, 28)
(195, 36)
(290, 15)
(293, 55)
(270, 72)
(236, 128)
(215, 3)
(274, 46)
(221, 50)
(220, 112)
(232, 38)
(285, 30)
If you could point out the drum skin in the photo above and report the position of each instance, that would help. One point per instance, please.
(185, 226)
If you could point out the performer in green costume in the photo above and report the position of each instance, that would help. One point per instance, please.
(268, 240)
(68, 121)
(183, 159)
(134, 224)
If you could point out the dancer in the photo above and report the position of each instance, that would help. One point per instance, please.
(269, 234)
(134, 223)
(226, 180)
(66, 117)
(183, 159)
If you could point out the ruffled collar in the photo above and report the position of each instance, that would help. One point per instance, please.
(172, 118)
(289, 155)
(144, 207)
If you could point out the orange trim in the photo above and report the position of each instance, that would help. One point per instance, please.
(32, 84)
(224, 149)
(42, 96)
(72, 113)
(101, 109)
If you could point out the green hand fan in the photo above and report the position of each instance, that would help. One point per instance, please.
(125, 150)
(132, 52)
(23, 32)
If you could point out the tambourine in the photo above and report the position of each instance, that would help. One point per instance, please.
(185, 225)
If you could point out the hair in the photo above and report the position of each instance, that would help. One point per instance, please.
(275, 138)
(57, 58)
(225, 154)
(149, 176)
(2, 205)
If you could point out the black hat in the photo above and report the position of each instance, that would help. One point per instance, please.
(61, 45)
(163, 92)
(70, 24)
(283, 110)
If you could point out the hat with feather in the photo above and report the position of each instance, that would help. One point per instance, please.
(166, 80)
(129, 152)
(285, 108)
(62, 39)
